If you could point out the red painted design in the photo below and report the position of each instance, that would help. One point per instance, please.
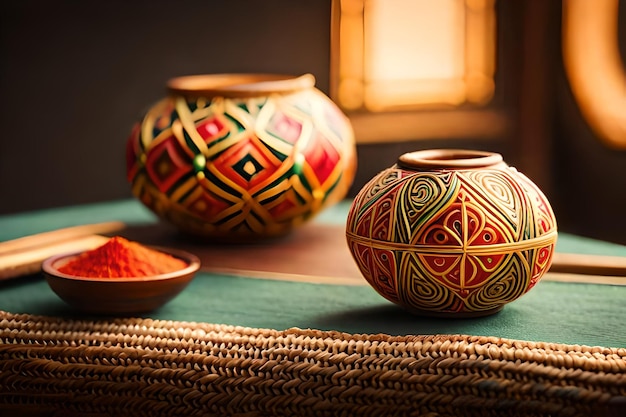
(211, 128)
(132, 153)
(322, 157)
(381, 270)
(167, 163)
(252, 148)
(284, 127)
(286, 206)
(206, 205)
(440, 264)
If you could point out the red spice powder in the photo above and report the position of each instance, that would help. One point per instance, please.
(120, 258)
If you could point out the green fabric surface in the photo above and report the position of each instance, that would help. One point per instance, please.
(551, 312)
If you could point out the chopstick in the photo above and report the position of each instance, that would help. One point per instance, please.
(29, 262)
(24, 255)
(574, 263)
(59, 235)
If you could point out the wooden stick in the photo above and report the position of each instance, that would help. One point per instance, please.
(15, 264)
(23, 256)
(572, 263)
(584, 278)
(60, 235)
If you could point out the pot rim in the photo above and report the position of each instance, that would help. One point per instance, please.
(238, 85)
(449, 159)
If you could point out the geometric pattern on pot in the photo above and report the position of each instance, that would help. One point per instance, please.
(241, 167)
(452, 241)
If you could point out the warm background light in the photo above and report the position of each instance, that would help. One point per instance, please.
(398, 54)
(594, 66)
(413, 52)
(409, 39)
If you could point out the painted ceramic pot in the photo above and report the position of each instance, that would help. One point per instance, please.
(451, 232)
(241, 156)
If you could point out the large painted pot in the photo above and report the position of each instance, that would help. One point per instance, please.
(451, 232)
(241, 156)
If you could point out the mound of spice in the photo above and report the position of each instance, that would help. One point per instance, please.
(121, 258)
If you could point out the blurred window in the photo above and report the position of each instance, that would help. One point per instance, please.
(393, 61)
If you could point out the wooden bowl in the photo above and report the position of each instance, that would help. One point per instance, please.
(118, 295)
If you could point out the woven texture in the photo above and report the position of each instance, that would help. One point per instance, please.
(147, 367)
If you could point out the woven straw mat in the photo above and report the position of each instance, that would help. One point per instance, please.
(143, 367)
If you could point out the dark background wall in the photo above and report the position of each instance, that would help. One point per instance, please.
(75, 75)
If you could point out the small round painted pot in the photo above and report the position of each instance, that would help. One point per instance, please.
(451, 232)
(241, 156)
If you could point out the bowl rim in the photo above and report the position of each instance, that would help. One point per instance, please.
(193, 265)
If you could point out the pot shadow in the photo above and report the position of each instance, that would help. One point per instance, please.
(21, 280)
(393, 320)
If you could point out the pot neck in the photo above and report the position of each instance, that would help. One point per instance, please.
(238, 85)
(449, 159)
